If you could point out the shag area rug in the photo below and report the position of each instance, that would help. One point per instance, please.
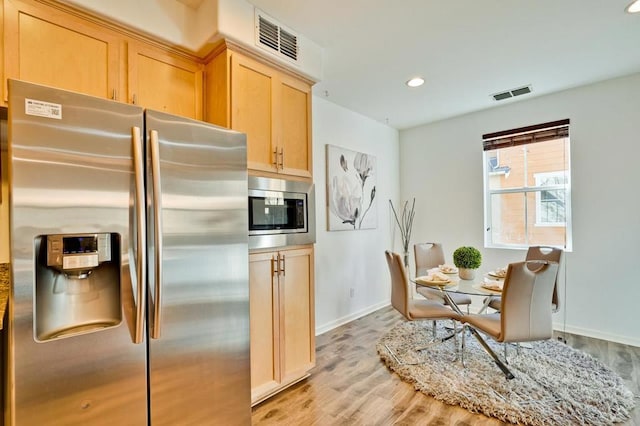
(554, 384)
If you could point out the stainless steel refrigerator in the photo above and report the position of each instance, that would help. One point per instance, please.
(130, 299)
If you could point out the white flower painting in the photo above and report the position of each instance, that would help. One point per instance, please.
(351, 189)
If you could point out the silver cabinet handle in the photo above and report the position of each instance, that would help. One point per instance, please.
(157, 232)
(283, 265)
(141, 256)
(281, 158)
(275, 158)
(114, 96)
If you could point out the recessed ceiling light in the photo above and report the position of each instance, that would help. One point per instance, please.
(634, 7)
(415, 82)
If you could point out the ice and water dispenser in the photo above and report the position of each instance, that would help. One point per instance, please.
(77, 284)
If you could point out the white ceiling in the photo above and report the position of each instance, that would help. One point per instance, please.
(466, 50)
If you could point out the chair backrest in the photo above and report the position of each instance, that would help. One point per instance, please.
(552, 254)
(525, 314)
(399, 283)
(427, 255)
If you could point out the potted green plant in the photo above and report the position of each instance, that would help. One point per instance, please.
(467, 260)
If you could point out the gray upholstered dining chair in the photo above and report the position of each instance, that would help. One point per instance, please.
(413, 309)
(552, 254)
(431, 255)
(525, 310)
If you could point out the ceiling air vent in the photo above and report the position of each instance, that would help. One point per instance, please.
(511, 93)
(273, 37)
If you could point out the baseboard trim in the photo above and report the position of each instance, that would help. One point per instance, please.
(557, 326)
(587, 332)
(351, 317)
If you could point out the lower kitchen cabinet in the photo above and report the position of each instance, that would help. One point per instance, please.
(282, 319)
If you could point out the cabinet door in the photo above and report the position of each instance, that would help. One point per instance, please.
(297, 322)
(295, 126)
(2, 56)
(164, 82)
(46, 46)
(264, 311)
(251, 109)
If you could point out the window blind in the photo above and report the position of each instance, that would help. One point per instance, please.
(526, 135)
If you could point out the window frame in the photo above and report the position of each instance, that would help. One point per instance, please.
(526, 190)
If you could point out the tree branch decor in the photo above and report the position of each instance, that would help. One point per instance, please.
(405, 223)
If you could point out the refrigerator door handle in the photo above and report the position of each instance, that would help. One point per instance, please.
(140, 237)
(157, 232)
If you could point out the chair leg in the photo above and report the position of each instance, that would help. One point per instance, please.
(435, 340)
(455, 340)
(462, 349)
(400, 362)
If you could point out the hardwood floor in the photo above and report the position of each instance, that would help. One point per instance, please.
(351, 386)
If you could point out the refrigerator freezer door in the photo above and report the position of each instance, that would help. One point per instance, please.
(199, 362)
(72, 173)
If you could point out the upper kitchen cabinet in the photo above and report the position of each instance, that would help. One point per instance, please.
(270, 105)
(164, 81)
(2, 88)
(45, 45)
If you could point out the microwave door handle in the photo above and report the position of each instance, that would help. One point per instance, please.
(140, 258)
(157, 232)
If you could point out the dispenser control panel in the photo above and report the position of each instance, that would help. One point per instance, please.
(79, 251)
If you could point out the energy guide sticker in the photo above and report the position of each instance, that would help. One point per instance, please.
(42, 109)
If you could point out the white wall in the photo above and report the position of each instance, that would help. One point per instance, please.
(168, 20)
(441, 165)
(352, 259)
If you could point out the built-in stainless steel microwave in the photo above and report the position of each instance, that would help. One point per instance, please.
(281, 212)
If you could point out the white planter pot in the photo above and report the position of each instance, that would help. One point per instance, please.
(466, 273)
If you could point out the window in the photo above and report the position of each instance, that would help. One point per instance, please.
(550, 202)
(527, 183)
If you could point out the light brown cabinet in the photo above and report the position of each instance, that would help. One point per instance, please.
(282, 319)
(49, 45)
(270, 105)
(165, 82)
(2, 78)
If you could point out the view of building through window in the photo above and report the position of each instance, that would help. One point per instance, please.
(527, 193)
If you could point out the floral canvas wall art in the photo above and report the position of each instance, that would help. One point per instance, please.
(351, 190)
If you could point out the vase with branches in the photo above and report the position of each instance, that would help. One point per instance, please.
(405, 223)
